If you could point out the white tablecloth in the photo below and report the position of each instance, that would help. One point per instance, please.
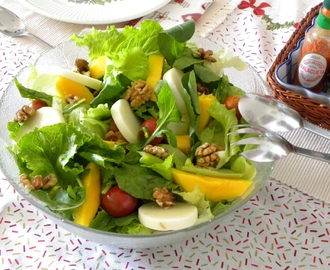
(280, 228)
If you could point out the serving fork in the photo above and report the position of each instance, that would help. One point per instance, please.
(271, 146)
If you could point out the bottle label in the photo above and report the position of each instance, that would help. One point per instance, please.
(311, 70)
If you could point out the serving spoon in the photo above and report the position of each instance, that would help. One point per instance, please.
(12, 25)
(270, 113)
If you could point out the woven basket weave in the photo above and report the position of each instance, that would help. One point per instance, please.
(309, 109)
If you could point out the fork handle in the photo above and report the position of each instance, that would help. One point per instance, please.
(312, 154)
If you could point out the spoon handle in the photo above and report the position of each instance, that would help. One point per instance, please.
(316, 129)
(312, 154)
(38, 39)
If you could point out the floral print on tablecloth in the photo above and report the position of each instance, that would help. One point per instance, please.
(183, 11)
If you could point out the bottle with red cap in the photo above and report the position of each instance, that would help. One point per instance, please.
(314, 60)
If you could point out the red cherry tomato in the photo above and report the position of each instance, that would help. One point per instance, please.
(151, 125)
(37, 104)
(231, 102)
(118, 203)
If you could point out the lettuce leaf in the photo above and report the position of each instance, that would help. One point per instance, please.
(132, 63)
(128, 225)
(62, 150)
(225, 89)
(90, 120)
(226, 119)
(198, 199)
(112, 40)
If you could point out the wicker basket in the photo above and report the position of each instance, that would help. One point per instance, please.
(309, 109)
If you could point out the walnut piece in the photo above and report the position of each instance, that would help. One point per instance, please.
(156, 151)
(206, 55)
(138, 93)
(24, 113)
(202, 89)
(82, 66)
(25, 180)
(114, 134)
(207, 154)
(72, 99)
(38, 181)
(164, 198)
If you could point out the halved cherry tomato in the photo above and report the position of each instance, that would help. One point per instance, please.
(118, 203)
(151, 125)
(37, 104)
(231, 102)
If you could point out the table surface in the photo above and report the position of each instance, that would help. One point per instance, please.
(279, 228)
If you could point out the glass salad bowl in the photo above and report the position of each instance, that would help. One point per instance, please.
(63, 56)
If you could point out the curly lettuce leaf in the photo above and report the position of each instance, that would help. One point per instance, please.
(113, 41)
(62, 150)
(198, 199)
(90, 120)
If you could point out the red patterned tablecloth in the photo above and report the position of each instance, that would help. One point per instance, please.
(280, 228)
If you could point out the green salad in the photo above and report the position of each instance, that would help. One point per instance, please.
(133, 139)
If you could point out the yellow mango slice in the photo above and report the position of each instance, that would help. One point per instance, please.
(183, 143)
(156, 63)
(66, 86)
(205, 102)
(97, 68)
(215, 189)
(85, 213)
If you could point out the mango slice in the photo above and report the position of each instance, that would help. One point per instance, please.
(97, 68)
(156, 63)
(215, 189)
(205, 102)
(85, 213)
(183, 143)
(66, 86)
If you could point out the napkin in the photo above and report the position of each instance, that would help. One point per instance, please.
(305, 174)
(215, 15)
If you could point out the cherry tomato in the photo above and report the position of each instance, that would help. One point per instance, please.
(151, 125)
(231, 102)
(37, 104)
(118, 203)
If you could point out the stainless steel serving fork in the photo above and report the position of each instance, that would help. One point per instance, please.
(271, 146)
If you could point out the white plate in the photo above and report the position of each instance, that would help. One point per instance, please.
(91, 12)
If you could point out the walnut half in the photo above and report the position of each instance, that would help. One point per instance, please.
(156, 151)
(164, 197)
(138, 93)
(38, 181)
(82, 66)
(207, 154)
(24, 113)
(206, 55)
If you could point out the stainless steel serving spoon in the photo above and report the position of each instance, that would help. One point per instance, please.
(12, 25)
(270, 113)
